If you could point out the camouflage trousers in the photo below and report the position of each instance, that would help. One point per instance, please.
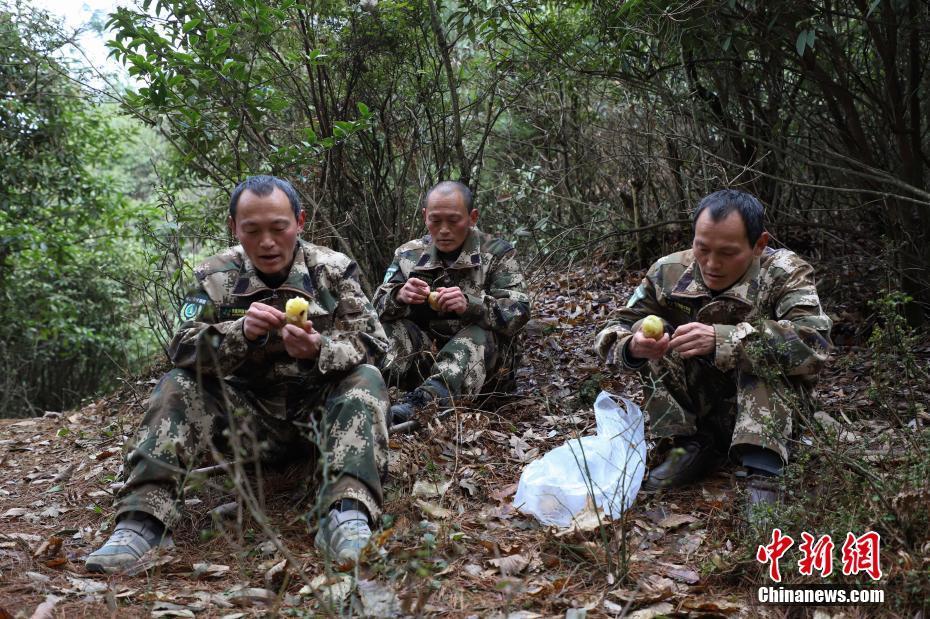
(336, 429)
(459, 365)
(737, 408)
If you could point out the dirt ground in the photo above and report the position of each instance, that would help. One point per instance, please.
(453, 545)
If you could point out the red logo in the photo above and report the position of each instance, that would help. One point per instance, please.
(860, 554)
(817, 555)
(773, 552)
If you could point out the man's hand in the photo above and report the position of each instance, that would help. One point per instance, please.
(643, 347)
(413, 292)
(302, 343)
(694, 340)
(260, 319)
(452, 299)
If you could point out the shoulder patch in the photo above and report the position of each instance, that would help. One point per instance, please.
(193, 307)
(390, 273)
(638, 295)
(498, 246)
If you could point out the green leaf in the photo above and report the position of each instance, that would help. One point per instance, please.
(190, 25)
(801, 43)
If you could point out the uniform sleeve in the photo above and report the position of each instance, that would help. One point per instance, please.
(796, 337)
(386, 303)
(357, 336)
(611, 342)
(202, 344)
(504, 307)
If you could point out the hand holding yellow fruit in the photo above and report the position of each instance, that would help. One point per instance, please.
(296, 311)
(653, 327)
(433, 300)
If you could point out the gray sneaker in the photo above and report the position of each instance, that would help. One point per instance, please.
(132, 538)
(343, 534)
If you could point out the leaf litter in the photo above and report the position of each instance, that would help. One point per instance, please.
(453, 544)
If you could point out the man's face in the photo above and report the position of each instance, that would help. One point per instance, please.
(448, 220)
(722, 249)
(267, 229)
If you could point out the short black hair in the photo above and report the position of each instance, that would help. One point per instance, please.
(721, 203)
(447, 187)
(263, 185)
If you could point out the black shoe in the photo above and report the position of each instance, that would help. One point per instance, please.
(691, 459)
(409, 404)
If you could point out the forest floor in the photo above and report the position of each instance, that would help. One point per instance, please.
(454, 544)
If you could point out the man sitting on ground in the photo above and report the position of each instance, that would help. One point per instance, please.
(478, 306)
(745, 338)
(244, 376)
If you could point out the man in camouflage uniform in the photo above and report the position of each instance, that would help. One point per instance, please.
(454, 344)
(745, 337)
(247, 382)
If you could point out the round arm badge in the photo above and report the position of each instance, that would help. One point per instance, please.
(193, 307)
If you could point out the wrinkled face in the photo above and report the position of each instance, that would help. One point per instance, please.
(722, 249)
(268, 230)
(448, 220)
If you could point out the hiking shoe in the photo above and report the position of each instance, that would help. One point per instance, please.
(343, 535)
(693, 458)
(133, 537)
(409, 404)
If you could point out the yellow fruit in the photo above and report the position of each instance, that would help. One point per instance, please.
(296, 311)
(652, 327)
(433, 300)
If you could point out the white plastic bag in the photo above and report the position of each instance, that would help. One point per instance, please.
(607, 468)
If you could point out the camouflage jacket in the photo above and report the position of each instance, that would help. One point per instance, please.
(775, 304)
(210, 335)
(487, 272)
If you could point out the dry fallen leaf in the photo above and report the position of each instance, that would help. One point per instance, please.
(656, 610)
(252, 596)
(46, 609)
(433, 510)
(378, 600)
(210, 570)
(676, 520)
(331, 590)
(689, 577)
(169, 609)
(658, 586)
(25, 537)
(690, 543)
(276, 575)
(512, 564)
(14, 512)
(429, 489)
(714, 605)
(472, 570)
(85, 585)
